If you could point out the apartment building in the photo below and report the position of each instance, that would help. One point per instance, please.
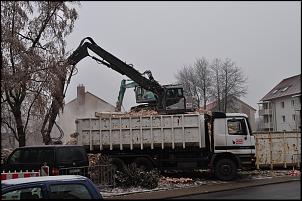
(280, 109)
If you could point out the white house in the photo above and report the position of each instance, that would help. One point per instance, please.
(84, 105)
(280, 109)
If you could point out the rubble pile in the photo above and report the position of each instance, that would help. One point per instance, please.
(171, 180)
(203, 111)
(73, 139)
(142, 112)
(97, 159)
(5, 152)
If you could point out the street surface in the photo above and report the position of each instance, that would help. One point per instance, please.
(284, 191)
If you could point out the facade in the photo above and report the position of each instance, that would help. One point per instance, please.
(237, 106)
(280, 109)
(84, 106)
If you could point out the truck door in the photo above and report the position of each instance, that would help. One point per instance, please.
(238, 136)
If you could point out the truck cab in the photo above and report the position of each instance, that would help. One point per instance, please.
(233, 143)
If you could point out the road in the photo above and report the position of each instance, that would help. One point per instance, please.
(285, 191)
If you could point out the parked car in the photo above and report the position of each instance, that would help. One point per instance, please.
(55, 156)
(50, 187)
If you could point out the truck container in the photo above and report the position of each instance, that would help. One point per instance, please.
(220, 142)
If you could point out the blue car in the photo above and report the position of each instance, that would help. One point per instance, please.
(50, 187)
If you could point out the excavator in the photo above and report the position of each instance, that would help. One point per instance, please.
(146, 98)
(169, 99)
(141, 95)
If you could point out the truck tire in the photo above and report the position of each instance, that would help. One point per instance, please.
(225, 169)
(143, 164)
(117, 164)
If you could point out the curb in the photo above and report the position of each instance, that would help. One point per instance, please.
(173, 193)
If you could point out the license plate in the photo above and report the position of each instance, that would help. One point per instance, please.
(74, 171)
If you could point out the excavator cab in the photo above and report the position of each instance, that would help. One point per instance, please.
(144, 96)
(175, 100)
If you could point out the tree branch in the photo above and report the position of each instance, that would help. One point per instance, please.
(44, 24)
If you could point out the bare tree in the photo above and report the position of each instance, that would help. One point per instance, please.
(217, 81)
(203, 78)
(221, 80)
(32, 44)
(187, 77)
(233, 83)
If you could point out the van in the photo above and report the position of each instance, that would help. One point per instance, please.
(57, 157)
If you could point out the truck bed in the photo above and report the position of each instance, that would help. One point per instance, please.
(118, 132)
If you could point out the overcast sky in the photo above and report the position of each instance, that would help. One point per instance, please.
(263, 38)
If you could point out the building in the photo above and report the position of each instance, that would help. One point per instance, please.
(83, 106)
(280, 109)
(237, 106)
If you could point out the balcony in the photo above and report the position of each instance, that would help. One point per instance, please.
(265, 112)
(297, 107)
(268, 125)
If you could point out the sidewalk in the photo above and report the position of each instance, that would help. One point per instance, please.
(165, 194)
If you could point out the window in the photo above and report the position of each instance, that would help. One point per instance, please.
(15, 158)
(24, 193)
(275, 91)
(293, 102)
(66, 154)
(69, 191)
(283, 118)
(29, 155)
(284, 89)
(294, 117)
(237, 127)
(282, 104)
(45, 155)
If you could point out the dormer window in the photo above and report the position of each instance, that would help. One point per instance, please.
(284, 89)
(275, 91)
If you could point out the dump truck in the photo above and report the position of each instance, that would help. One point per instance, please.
(219, 142)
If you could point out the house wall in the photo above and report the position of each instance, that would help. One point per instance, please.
(250, 113)
(240, 107)
(288, 111)
(76, 109)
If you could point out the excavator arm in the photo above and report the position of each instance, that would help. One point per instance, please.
(169, 99)
(141, 95)
(122, 93)
(121, 67)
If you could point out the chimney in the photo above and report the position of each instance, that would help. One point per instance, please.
(81, 94)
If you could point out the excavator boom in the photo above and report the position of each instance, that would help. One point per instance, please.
(125, 69)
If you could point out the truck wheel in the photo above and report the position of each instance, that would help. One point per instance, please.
(117, 164)
(143, 164)
(225, 169)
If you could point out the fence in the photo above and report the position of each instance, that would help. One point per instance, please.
(15, 175)
(278, 149)
(100, 175)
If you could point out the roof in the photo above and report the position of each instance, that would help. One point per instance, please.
(287, 87)
(213, 104)
(41, 179)
(87, 92)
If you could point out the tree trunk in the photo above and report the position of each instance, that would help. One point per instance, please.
(204, 99)
(20, 128)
